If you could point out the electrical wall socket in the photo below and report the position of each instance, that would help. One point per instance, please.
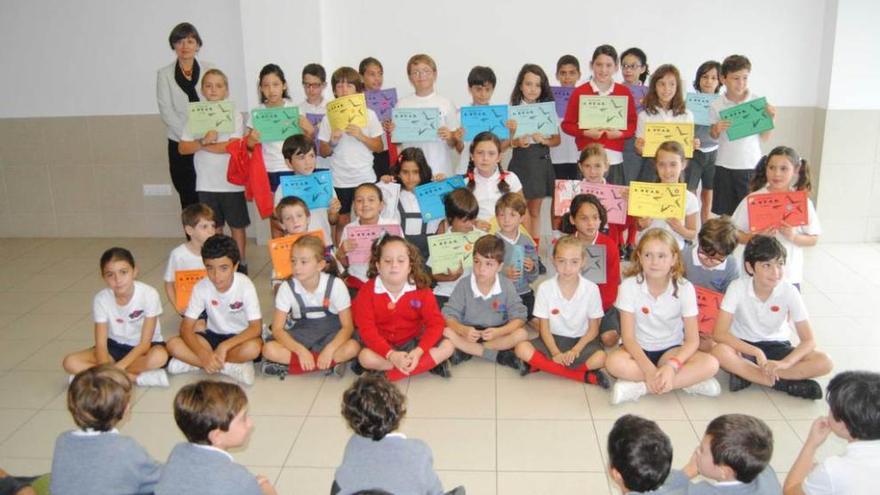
(157, 190)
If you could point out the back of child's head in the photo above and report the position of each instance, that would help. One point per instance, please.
(704, 68)
(480, 76)
(275, 70)
(417, 156)
(98, 397)
(490, 247)
(181, 32)
(762, 248)
(205, 406)
(800, 165)
(717, 236)
(461, 204)
(485, 137)
(662, 236)
(568, 60)
(220, 245)
(347, 75)
(734, 63)
(854, 399)
(567, 241)
(421, 58)
(643, 60)
(652, 98)
(640, 451)
(297, 144)
(367, 62)
(373, 407)
(741, 442)
(516, 96)
(514, 201)
(418, 276)
(116, 254)
(606, 50)
(316, 70)
(578, 202)
(195, 213)
(316, 246)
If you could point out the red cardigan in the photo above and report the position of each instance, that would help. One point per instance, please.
(570, 122)
(608, 290)
(383, 327)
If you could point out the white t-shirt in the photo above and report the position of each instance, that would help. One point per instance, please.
(436, 152)
(659, 323)
(125, 323)
(228, 313)
(211, 167)
(755, 320)
(568, 317)
(339, 298)
(741, 154)
(794, 259)
(320, 109)
(359, 270)
(272, 157)
(849, 474)
(412, 226)
(318, 220)
(351, 161)
(691, 206)
(487, 193)
(662, 116)
(566, 152)
(181, 258)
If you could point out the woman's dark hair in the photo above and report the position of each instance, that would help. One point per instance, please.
(417, 156)
(516, 96)
(116, 254)
(703, 69)
(576, 203)
(604, 50)
(182, 31)
(373, 407)
(643, 59)
(271, 69)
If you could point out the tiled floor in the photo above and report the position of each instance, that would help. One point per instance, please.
(489, 429)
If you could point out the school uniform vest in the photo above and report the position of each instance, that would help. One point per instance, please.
(419, 240)
(311, 330)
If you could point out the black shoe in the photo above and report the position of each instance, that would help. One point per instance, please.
(443, 369)
(597, 377)
(356, 367)
(541, 268)
(268, 368)
(805, 389)
(459, 357)
(527, 369)
(242, 268)
(736, 383)
(509, 359)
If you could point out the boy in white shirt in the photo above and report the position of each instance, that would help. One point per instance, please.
(752, 330)
(198, 224)
(314, 81)
(232, 337)
(854, 401)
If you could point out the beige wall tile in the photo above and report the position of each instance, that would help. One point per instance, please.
(113, 140)
(851, 136)
(818, 138)
(152, 142)
(21, 142)
(873, 230)
(4, 195)
(119, 188)
(157, 173)
(67, 140)
(842, 228)
(121, 224)
(5, 231)
(73, 189)
(28, 189)
(80, 225)
(162, 225)
(31, 225)
(794, 126)
(846, 190)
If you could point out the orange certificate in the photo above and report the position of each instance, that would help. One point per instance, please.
(279, 251)
(768, 210)
(184, 281)
(708, 305)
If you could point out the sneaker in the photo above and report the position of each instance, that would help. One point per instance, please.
(709, 388)
(736, 383)
(152, 378)
(240, 372)
(508, 358)
(805, 389)
(338, 369)
(527, 369)
(268, 368)
(356, 367)
(459, 357)
(176, 367)
(624, 391)
(597, 377)
(443, 370)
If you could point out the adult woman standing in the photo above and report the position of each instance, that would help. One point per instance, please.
(177, 85)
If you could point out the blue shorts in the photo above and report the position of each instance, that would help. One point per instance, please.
(275, 178)
(118, 351)
(214, 339)
(655, 356)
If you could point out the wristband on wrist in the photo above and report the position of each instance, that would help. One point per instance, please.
(675, 363)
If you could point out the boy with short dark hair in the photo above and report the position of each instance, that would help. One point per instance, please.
(854, 403)
(481, 86)
(706, 263)
(314, 81)
(735, 453)
(232, 336)
(96, 459)
(213, 417)
(640, 456)
(565, 156)
(198, 224)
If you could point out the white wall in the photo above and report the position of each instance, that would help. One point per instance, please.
(99, 57)
(856, 66)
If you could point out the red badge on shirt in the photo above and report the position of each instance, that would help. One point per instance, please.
(214, 302)
(119, 320)
(775, 309)
(645, 310)
(554, 311)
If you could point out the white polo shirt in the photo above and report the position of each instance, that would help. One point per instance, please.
(379, 288)
(691, 206)
(755, 320)
(436, 152)
(794, 259)
(568, 317)
(659, 323)
(351, 161)
(487, 193)
(743, 153)
(339, 298)
(494, 291)
(125, 323)
(229, 313)
(181, 258)
(851, 473)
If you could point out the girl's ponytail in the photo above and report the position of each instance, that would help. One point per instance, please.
(503, 186)
(803, 182)
(759, 180)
